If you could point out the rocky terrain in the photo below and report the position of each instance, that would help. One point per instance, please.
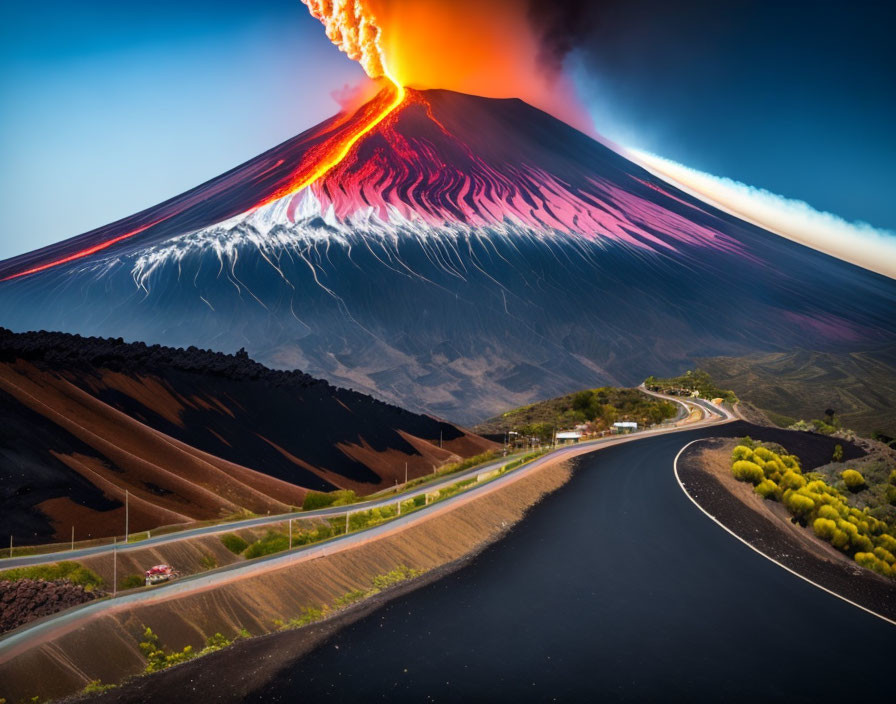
(24, 600)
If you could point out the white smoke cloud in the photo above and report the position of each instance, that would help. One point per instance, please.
(856, 242)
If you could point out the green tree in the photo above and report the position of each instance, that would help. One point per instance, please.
(838, 453)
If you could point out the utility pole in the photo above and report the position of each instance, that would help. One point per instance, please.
(405, 473)
(73, 537)
(126, 514)
(114, 565)
(399, 507)
(10, 546)
(290, 534)
(346, 522)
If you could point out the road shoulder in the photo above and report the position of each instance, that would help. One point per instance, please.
(760, 525)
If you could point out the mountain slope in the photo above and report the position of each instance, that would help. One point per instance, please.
(191, 435)
(468, 255)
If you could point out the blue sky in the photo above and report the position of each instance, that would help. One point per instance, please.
(107, 108)
(794, 96)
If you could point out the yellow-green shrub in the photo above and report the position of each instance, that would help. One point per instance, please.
(824, 528)
(799, 505)
(887, 542)
(854, 480)
(762, 453)
(767, 489)
(885, 555)
(747, 471)
(791, 462)
(792, 480)
(741, 452)
(830, 512)
(872, 562)
(840, 540)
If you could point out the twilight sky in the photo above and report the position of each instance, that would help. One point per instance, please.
(109, 107)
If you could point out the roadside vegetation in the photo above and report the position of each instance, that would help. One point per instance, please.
(597, 408)
(70, 571)
(234, 543)
(307, 532)
(696, 381)
(829, 506)
(159, 657)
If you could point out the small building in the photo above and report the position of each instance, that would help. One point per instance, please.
(568, 437)
(625, 426)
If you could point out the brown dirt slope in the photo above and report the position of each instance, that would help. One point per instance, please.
(189, 434)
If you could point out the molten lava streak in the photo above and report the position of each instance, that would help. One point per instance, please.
(353, 28)
(337, 150)
(83, 253)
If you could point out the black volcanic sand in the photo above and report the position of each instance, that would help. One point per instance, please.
(30, 474)
(765, 533)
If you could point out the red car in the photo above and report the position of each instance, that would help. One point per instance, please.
(159, 574)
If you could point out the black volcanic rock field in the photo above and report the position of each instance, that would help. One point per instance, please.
(191, 434)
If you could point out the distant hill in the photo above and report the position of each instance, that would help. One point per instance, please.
(599, 408)
(859, 386)
(190, 434)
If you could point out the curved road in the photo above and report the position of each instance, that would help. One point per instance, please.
(26, 560)
(614, 588)
(40, 630)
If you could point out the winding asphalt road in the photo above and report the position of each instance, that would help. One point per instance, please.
(27, 560)
(616, 588)
(21, 639)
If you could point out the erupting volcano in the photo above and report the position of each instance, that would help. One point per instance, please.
(453, 253)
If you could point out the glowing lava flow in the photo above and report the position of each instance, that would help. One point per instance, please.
(83, 253)
(339, 151)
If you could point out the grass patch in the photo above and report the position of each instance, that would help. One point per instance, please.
(234, 543)
(272, 542)
(158, 659)
(318, 499)
(779, 419)
(72, 571)
(132, 581)
(96, 687)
